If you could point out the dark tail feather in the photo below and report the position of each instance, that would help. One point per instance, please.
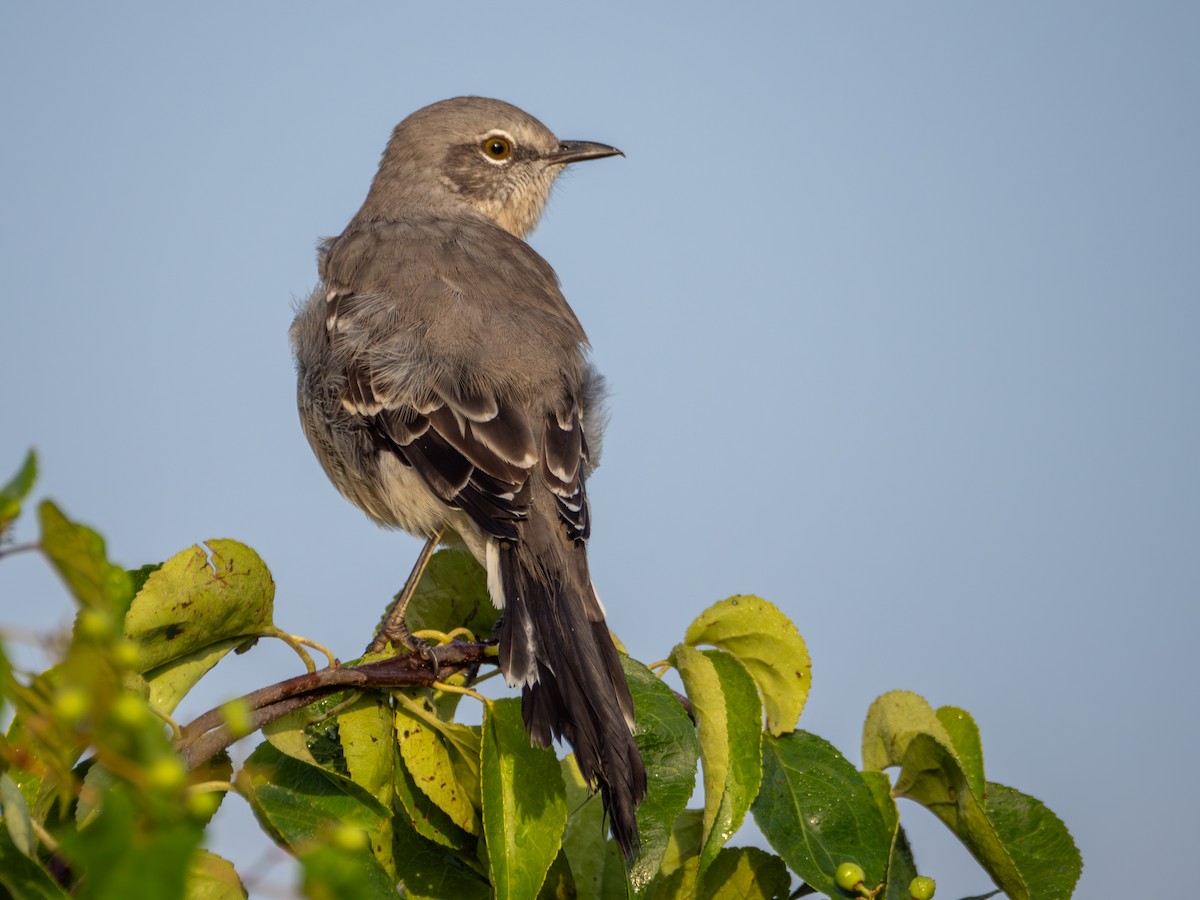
(554, 642)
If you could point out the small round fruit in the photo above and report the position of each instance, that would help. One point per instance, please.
(922, 888)
(202, 805)
(126, 654)
(166, 774)
(130, 711)
(348, 838)
(849, 876)
(71, 704)
(94, 624)
(237, 718)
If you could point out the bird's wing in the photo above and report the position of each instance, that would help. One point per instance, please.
(475, 441)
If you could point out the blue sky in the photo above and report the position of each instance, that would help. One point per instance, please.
(898, 305)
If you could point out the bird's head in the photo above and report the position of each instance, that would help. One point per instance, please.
(486, 155)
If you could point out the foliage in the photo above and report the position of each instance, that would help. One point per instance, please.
(378, 791)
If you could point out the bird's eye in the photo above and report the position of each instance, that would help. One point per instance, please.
(497, 148)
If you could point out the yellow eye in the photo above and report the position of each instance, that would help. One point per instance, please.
(497, 148)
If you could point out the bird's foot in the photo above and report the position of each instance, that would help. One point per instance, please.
(399, 636)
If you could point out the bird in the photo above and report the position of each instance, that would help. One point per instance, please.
(446, 388)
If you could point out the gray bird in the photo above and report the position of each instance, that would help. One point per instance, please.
(444, 386)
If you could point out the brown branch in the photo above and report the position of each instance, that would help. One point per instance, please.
(208, 734)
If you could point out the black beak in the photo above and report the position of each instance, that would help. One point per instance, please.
(577, 151)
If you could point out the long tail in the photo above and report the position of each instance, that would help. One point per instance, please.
(555, 643)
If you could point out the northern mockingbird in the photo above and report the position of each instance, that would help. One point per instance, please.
(445, 388)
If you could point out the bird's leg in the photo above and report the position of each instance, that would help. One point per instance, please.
(394, 629)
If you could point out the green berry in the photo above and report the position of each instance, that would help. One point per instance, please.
(849, 876)
(129, 710)
(126, 655)
(167, 774)
(349, 838)
(202, 805)
(71, 704)
(237, 717)
(94, 624)
(922, 888)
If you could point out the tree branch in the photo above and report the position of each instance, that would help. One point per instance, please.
(208, 734)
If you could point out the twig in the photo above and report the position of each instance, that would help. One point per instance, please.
(209, 734)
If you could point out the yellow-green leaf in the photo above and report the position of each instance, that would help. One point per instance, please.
(16, 816)
(77, 553)
(211, 877)
(198, 599)
(171, 682)
(429, 761)
(17, 489)
(964, 737)
(369, 748)
(729, 724)
(746, 873)
(893, 720)
(687, 838)
(524, 804)
(766, 642)
(584, 841)
(1022, 845)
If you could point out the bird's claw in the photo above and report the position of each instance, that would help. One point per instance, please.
(401, 637)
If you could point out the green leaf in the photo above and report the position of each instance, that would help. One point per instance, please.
(964, 738)
(97, 782)
(310, 734)
(369, 749)
(300, 803)
(1022, 845)
(198, 599)
(881, 789)
(893, 720)
(1037, 840)
(902, 869)
(766, 642)
(368, 746)
(7, 685)
(427, 819)
(428, 871)
(36, 730)
(23, 878)
(679, 884)
(930, 775)
(729, 723)
(218, 769)
(119, 856)
(452, 593)
(748, 874)
(77, 553)
(16, 490)
(816, 810)
(583, 841)
(745, 873)
(667, 740)
(211, 877)
(560, 881)
(524, 803)
(336, 872)
(16, 816)
(437, 767)
(687, 839)
(171, 682)
(139, 576)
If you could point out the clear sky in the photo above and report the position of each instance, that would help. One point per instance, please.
(898, 304)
